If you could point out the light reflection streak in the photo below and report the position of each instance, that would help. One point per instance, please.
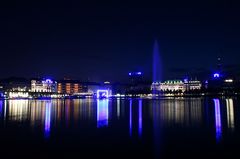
(218, 124)
(140, 118)
(130, 118)
(230, 114)
(1, 108)
(47, 126)
(102, 112)
(18, 110)
(118, 108)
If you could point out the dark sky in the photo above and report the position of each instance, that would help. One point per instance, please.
(104, 41)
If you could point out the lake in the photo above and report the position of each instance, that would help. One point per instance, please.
(113, 128)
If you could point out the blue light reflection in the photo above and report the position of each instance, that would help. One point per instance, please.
(218, 124)
(47, 127)
(102, 113)
(140, 118)
(130, 118)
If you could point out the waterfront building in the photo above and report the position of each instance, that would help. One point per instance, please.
(43, 85)
(137, 85)
(192, 85)
(172, 85)
(71, 87)
(14, 84)
(176, 86)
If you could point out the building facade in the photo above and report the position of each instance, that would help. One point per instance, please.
(71, 87)
(176, 86)
(43, 85)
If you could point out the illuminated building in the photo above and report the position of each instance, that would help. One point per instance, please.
(14, 84)
(176, 85)
(43, 85)
(71, 87)
(135, 77)
(169, 85)
(137, 85)
(192, 85)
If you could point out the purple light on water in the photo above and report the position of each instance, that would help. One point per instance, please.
(102, 113)
(139, 73)
(130, 118)
(1, 108)
(140, 118)
(47, 120)
(218, 124)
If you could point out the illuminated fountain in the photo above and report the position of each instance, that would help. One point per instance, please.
(156, 69)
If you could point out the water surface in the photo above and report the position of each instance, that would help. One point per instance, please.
(83, 128)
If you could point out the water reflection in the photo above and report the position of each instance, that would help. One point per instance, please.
(1, 108)
(102, 112)
(165, 113)
(182, 112)
(47, 119)
(140, 117)
(118, 108)
(230, 114)
(18, 110)
(218, 124)
(130, 117)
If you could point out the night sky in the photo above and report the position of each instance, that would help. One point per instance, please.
(104, 41)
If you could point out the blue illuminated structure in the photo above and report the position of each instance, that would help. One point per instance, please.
(216, 75)
(47, 120)
(140, 118)
(135, 73)
(102, 93)
(49, 81)
(218, 124)
(102, 113)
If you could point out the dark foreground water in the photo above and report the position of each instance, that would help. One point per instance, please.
(139, 128)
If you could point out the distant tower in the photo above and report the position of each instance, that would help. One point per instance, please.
(157, 74)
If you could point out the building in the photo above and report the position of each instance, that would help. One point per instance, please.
(192, 85)
(137, 84)
(176, 86)
(71, 87)
(172, 85)
(135, 77)
(14, 84)
(43, 85)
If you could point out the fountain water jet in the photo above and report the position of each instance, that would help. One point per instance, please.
(157, 73)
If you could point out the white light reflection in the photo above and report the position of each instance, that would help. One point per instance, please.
(102, 112)
(230, 114)
(218, 124)
(18, 110)
(118, 108)
(47, 126)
